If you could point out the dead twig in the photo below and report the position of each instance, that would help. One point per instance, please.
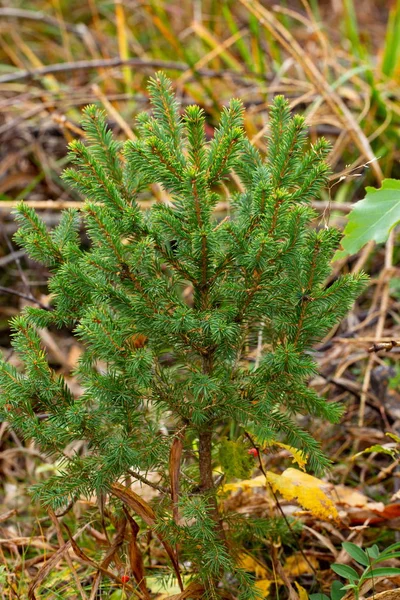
(155, 486)
(68, 559)
(386, 346)
(111, 63)
(331, 97)
(12, 292)
(36, 15)
(13, 256)
(53, 205)
(385, 293)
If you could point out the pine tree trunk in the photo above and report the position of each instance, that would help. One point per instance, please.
(206, 478)
(205, 464)
(207, 487)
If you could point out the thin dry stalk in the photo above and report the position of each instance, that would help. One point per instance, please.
(219, 49)
(139, 63)
(68, 559)
(50, 564)
(380, 325)
(332, 99)
(113, 112)
(6, 206)
(123, 42)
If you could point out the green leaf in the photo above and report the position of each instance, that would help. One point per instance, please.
(389, 549)
(391, 50)
(373, 551)
(377, 448)
(337, 592)
(385, 556)
(118, 595)
(394, 437)
(382, 572)
(345, 571)
(357, 553)
(318, 597)
(372, 218)
(350, 586)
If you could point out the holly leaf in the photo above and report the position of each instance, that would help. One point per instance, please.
(372, 218)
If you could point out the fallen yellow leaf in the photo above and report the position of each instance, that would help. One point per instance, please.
(350, 497)
(308, 491)
(245, 484)
(297, 565)
(252, 565)
(298, 456)
(263, 586)
(302, 592)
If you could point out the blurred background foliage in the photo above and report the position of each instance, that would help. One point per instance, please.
(338, 61)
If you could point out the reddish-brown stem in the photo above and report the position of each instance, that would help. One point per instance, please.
(205, 463)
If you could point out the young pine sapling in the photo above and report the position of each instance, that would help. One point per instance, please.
(164, 370)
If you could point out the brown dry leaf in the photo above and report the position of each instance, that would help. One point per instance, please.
(38, 542)
(174, 468)
(144, 510)
(372, 514)
(388, 595)
(112, 552)
(68, 559)
(308, 491)
(250, 501)
(358, 508)
(98, 567)
(45, 570)
(51, 563)
(137, 340)
(138, 505)
(135, 556)
(323, 539)
(30, 562)
(391, 511)
(297, 565)
(7, 515)
(347, 496)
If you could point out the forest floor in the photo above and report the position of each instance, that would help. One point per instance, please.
(338, 63)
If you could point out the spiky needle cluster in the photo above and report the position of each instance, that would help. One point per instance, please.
(161, 364)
